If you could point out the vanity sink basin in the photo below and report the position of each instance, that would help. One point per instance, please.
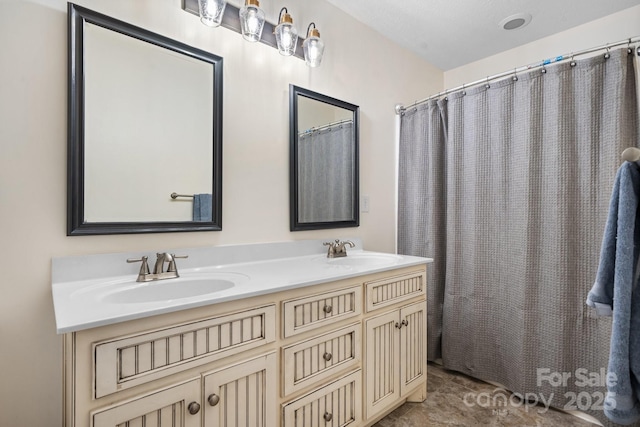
(167, 290)
(365, 260)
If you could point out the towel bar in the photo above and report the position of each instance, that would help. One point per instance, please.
(176, 195)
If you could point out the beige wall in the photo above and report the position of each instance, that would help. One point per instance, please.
(609, 29)
(359, 67)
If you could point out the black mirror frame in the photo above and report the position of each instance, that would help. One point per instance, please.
(295, 225)
(76, 224)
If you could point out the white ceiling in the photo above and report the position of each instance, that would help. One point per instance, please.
(451, 33)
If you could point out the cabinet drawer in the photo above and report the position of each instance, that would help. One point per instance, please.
(129, 361)
(391, 290)
(316, 359)
(304, 314)
(336, 405)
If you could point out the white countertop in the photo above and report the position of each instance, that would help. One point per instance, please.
(81, 296)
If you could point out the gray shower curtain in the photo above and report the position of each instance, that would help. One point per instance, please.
(422, 204)
(511, 201)
(325, 167)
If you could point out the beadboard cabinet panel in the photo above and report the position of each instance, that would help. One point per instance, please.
(413, 344)
(383, 359)
(313, 361)
(166, 407)
(129, 361)
(395, 354)
(336, 405)
(242, 395)
(304, 314)
(395, 289)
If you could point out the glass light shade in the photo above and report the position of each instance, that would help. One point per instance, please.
(251, 22)
(313, 49)
(211, 11)
(286, 38)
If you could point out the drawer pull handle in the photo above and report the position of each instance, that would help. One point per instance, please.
(193, 408)
(213, 399)
(327, 417)
(398, 325)
(327, 309)
(327, 356)
(405, 322)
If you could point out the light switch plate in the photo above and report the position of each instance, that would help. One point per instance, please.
(365, 203)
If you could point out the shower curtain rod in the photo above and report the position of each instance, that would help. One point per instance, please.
(328, 125)
(632, 40)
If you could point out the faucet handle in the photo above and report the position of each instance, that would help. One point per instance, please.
(144, 267)
(332, 247)
(172, 263)
(333, 244)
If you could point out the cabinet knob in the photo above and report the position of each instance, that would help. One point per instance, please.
(327, 356)
(327, 309)
(398, 325)
(213, 399)
(327, 417)
(405, 322)
(194, 408)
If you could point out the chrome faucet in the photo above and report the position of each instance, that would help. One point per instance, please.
(337, 249)
(158, 270)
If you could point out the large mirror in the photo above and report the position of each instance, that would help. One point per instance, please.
(324, 161)
(145, 130)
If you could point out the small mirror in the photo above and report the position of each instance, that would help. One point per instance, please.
(145, 121)
(324, 161)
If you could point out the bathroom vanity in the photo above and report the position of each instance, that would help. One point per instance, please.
(298, 339)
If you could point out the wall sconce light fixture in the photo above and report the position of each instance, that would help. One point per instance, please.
(286, 34)
(251, 20)
(313, 46)
(211, 11)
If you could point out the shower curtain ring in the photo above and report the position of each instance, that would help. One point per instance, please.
(515, 75)
(487, 85)
(464, 92)
(542, 64)
(629, 50)
(607, 55)
(573, 62)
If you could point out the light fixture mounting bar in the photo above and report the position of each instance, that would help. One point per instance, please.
(231, 20)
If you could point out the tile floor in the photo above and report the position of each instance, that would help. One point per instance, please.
(445, 406)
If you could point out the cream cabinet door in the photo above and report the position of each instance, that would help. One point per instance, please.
(413, 346)
(396, 358)
(382, 386)
(242, 395)
(177, 406)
